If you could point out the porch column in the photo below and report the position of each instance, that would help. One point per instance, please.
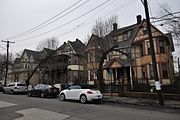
(131, 77)
(116, 75)
(89, 73)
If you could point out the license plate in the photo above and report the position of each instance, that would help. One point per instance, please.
(99, 96)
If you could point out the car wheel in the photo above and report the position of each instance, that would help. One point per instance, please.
(62, 97)
(29, 94)
(12, 92)
(42, 95)
(98, 101)
(83, 99)
(4, 92)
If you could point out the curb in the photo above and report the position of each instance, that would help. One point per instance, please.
(140, 104)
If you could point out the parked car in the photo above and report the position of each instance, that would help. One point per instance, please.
(81, 93)
(61, 86)
(1, 88)
(15, 87)
(43, 90)
(58, 86)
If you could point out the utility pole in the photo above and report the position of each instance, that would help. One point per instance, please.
(153, 56)
(178, 71)
(7, 59)
(178, 68)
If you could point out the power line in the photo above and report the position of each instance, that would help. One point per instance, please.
(66, 22)
(122, 6)
(85, 24)
(12, 50)
(166, 19)
(3, 47)
(56, 19)
(24, 33)
(79, 25)
(173, 13)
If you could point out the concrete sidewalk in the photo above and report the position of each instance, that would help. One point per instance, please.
(142, 102)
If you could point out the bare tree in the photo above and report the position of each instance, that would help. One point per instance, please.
(102, 28)
(3, 63)
(19, 54)
(87, 38)
(51, 43)
(170, 21)
(2, 58)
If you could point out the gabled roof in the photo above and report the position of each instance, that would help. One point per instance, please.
(98, 41)
(62, 46)
(48, 51)
(133, 28)
(45, 52)
(78, 46)
(35, 54)
(122, 62)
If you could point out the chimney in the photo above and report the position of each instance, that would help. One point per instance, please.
(138, 17)
(114, 26)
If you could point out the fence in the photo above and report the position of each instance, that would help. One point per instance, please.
(119, 89)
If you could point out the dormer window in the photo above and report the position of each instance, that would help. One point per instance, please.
(125, 36)
(120, 38)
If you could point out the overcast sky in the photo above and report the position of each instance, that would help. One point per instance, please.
(18, 16)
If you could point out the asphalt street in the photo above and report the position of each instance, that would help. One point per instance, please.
(21, 107)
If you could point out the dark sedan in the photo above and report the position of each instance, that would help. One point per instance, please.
(43, 90)
(1, 88)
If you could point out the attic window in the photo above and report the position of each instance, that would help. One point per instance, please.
(145, 30)
(126, 35)
(120, 38)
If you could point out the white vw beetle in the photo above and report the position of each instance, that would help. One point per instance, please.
(82, 93)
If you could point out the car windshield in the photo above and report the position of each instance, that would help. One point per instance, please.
(11, 85)
(21, 84)
(75, 87)
(46, 86)
(89, 87)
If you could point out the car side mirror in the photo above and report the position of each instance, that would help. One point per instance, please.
(69, 88)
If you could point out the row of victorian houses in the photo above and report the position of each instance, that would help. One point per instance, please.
(75, 62)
